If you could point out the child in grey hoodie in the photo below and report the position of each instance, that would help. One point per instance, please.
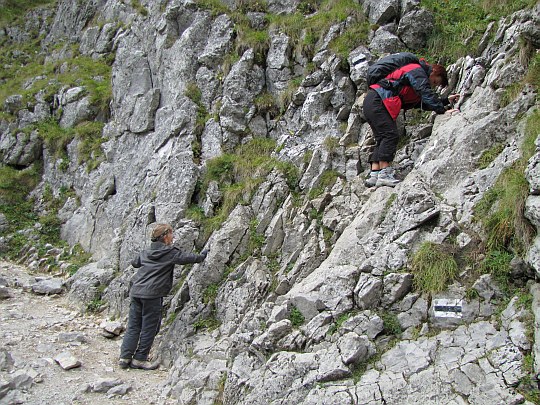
(151, 283)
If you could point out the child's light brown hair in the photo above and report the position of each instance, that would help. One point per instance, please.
(159, 231)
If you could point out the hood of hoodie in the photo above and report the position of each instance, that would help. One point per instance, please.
(158, 250)
(426, 66)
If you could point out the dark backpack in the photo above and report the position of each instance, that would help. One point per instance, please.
(388, 64)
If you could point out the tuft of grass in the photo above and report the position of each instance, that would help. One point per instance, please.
(95, 305)
(530, 59)
(296, 317)
(331, 143)
(251, 6)
(312, 21)
(54, 136)
(57, 138)
(497, 263)
(210, 293)
(328, 179)
(490, 155)
(238, 175)
(528, 386)
(355, 35)
(390, 323)
(387, 207)
(433, 268)
(216, 7)
(266, 104)
(339, 321)
(136, 4)
(77, 258)
(194, 93)
(210, 323)
(256, 240)
(501, 209)
(533, 72)
(89, 148)
(170, 319)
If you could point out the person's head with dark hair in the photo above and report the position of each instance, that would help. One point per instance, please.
(160, 233)
(438, 76)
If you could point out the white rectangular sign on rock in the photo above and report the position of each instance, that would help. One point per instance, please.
(447, 308)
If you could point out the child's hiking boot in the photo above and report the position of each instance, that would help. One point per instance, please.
(144, 365)
(124, 363)
(371, 179)
(386, 178)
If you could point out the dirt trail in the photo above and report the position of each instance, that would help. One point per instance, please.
(34, 329)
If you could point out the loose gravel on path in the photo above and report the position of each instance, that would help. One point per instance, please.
(34, 329)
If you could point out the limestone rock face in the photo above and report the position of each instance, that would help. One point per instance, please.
(308, 278)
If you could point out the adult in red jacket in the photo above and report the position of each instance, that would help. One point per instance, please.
(409, 86)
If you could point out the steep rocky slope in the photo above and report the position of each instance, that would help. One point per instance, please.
(308, 294)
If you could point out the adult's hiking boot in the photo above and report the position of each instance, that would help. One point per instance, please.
(371, 179)
(386, 178)
(144, 365)
(124, 363)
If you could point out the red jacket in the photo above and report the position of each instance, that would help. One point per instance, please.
(408, 87)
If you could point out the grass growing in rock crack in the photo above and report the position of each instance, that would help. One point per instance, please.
(327, 179)
(433, 267)
(238, 176)
(489, 155)
(501, 212)
(339, 322)
(296, 317)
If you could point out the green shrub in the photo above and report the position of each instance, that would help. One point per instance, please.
(433, 268)
(391, 324)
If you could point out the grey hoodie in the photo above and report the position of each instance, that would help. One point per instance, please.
(155, 275)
